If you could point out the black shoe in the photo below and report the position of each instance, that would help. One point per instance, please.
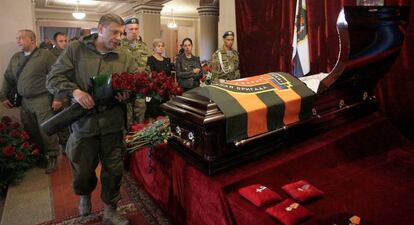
(51, 165)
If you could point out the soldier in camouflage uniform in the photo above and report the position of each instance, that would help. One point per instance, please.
(225, 61)
(134, 45)
(98, 136)
(37, 102)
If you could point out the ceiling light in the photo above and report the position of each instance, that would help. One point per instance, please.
(78, 14)
(171, 24)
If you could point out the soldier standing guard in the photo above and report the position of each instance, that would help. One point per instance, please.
(134, 45)
(225, 61)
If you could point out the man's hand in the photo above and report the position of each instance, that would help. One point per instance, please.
(84, 99)
(122, 96)
(56, 105)
(7, 104)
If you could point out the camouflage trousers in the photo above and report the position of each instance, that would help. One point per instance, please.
(136, 111)
(85, 153)
(33, 112)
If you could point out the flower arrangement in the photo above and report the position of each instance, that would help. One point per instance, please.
(151, 134)
(208, 75)
(17, 153)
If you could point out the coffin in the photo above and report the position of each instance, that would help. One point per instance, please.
(369, 42)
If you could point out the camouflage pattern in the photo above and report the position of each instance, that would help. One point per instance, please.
(139, 51)
(230, 62)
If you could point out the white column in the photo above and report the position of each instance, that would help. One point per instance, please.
(208, 31)
(14, 16)
(149, 21)
(227, 20)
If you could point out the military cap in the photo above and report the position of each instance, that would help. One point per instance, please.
(132, 20)
(228, 33)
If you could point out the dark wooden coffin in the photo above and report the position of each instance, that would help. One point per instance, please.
(369, 42)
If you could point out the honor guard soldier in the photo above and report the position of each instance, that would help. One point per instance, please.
(225, 61)
(134, 45)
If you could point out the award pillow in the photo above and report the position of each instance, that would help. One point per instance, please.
(289, 212)
(259, 195)
(302, 191)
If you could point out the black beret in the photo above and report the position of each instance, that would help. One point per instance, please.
(132, 20)
(228, 33)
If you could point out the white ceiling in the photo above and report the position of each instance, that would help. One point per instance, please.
(47, 11)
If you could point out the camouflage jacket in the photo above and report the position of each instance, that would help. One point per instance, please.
(230, 61)
(139, 51)
(73, 69)
(32, 79)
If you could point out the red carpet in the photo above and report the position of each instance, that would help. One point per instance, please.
(135, 204)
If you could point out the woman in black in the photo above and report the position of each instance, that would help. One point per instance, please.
(188, 67)
(157, 63)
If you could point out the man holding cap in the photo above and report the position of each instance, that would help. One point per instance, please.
(134, 45)
(225, 61)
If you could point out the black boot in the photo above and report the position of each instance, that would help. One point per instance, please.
(85, 205)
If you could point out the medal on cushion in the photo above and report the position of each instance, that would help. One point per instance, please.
(260, 189)
(303, 187)
(292, 207)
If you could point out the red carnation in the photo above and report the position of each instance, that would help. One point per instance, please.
(19, 156)
(15, 125)
(8, 150)
(1, 141)
(7, 120)
(36, 152)
(14, 133)
(24, 136)
(25, 145)
(2, 126)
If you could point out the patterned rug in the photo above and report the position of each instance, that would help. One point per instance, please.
(139, 209)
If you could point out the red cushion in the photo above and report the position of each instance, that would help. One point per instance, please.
(302, 191)
(259, 195)
(289, 212)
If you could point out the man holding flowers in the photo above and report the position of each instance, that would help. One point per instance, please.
(97, 136)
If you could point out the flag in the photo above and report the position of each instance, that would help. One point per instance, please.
(258, 104)
(300, 55)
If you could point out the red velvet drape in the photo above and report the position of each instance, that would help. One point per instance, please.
(264, 36)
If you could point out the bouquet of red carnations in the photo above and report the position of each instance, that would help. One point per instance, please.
(103, 88)
(152, 134)
(207, 77)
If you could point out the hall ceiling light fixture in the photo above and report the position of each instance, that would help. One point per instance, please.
(78, 14)
(171, 24)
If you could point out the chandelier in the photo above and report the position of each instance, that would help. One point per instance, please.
(171, 24)
(78, 14)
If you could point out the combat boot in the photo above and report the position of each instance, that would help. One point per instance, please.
(85, 205)
(51, 165)
(112, 217)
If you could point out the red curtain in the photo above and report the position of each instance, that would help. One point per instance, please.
(264, 37)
